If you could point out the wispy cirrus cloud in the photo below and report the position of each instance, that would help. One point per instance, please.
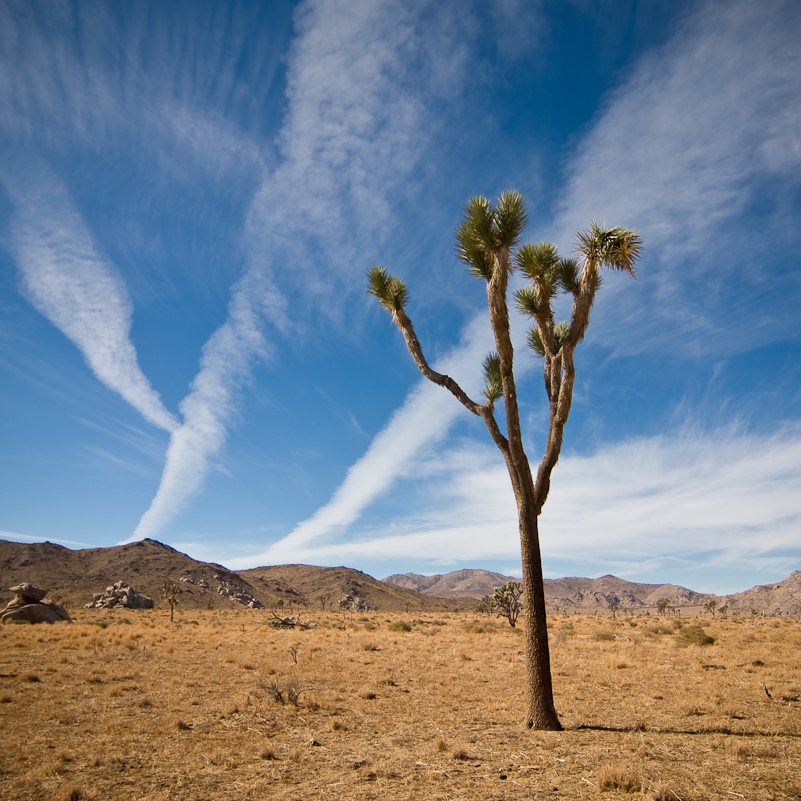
(212, 402)
(78, 289)
(84, 75)
(13, 537)
(365, 87)
(698, 131)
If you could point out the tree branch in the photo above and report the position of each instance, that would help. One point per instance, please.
(562, 377)
(484, 411)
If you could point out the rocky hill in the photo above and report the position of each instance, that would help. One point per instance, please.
(326, 586)
(458, 584)
(769, 599)
(73, 577)
(584, 594)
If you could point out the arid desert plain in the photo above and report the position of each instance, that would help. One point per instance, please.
(124, 704)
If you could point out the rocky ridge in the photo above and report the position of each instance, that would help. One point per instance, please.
(588, 595)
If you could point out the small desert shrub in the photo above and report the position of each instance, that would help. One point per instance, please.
(460, 752)
(693, 635)
(619, 777)
(30, 677)
(656, 630)
(289, 693)
(399, 625)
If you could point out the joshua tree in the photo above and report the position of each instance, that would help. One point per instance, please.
(486, 606)
(710, 607)
(170, 591)
(506, 600)
(613, 606)
(662, 606)
(487, 241)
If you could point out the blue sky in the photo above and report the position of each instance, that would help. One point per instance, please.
(191, 194)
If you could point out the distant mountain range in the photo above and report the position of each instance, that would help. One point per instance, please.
(73, 577)
(588, 595)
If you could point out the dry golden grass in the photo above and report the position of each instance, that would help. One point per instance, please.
(130, 706)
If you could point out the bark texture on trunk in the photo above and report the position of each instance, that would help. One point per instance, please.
(541, 712)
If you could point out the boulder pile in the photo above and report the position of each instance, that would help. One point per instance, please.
(353, 603)
(29, 606)
(120, 596)
(238, 594)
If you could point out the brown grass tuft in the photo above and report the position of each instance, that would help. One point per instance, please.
(619, 777)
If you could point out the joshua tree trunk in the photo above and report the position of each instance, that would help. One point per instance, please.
(541, 713)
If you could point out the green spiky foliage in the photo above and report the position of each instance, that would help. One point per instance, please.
(615, 248)
(387, 289)
(493, 386)
(486, 229)
(487, 240)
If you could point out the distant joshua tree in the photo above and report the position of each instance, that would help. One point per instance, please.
(662, 606)
(487, 241)
(506, 600)
(711, 607)
(170, 590)
(613, 606)
(486, 605)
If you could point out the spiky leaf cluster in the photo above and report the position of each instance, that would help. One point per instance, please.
(549, 274)
(387, 289)
(616, 248)
(560, 332)
(486, 229)
(535, 342)
(493, 387)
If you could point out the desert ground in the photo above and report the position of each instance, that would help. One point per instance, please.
(127, 705)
